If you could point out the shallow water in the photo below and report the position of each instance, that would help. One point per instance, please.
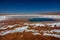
(41, 19)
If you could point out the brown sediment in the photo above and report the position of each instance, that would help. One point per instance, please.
(26, 36)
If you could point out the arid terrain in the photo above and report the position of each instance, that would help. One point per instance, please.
(22, 29)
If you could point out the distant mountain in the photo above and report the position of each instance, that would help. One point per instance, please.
(50, 13)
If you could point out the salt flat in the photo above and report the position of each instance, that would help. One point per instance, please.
(17, 26)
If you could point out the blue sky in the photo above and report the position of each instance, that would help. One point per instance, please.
(29, 6)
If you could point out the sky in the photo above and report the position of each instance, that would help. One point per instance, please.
(29, 6)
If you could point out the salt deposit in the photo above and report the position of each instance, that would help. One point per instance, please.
(19, 29)
(57, 24)
(34, 31)
(41, 24)
(36, 34)
(2, 17)
(7, 26)
(55, 35)
(56, 30)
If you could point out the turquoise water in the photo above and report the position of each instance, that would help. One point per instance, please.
(41, 19)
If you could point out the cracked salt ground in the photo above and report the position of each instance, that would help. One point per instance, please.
(40, 24)
(8, 26)
(35, 32)
(55, 35)
(24, 28)
(56, 30)
(35, 25)
(19, 29)
(53, 24)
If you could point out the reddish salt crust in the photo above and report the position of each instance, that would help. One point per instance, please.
(28, 35)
